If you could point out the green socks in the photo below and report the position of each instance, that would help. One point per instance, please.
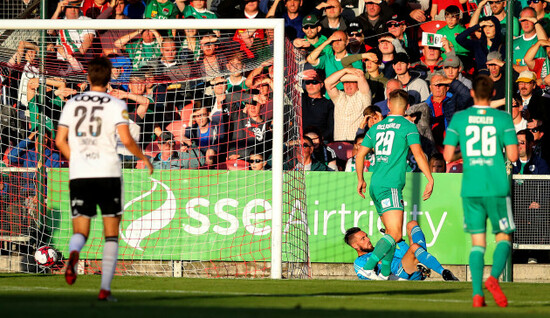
(476, 267)
(500, 256)
(382, 248)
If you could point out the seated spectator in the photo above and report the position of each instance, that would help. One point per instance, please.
(495, 67)
(437, 163)
(350, 164)
(532, 100)
(249, 9)
(451, 30)
(539, 64)
(93, 8)
(135, 9)
(252, 43)
(412, 83)
(196, 9)
(528, 162)
(537, 128)
(120, 72)
(497, 9)
(356, 42)
(333, 20)
(257, 162)
(392, 85)
(108, 38)
(291, 14)
(162, 9)
(321, 152)
(204, 134)
(236, 81)
(210, 63)
(167, 65)
(307, 162)
(376, 79)
(490, 40)
(350, 103)
(371, 115)
(168, 157)
(317, 111)
(397, 26)
(520, 123)
(452, 66)
(144, 48)
(313, 37)
(429, 63)
(25, 62)
(438, 8)
(74, 45)
(373, 20)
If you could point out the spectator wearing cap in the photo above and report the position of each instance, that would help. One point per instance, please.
(350, 103)
(541, 147)
(490, 40)
(495, 70)
(376, 79)
(430, 62)
(452, 66)
(317, 111)
(373, 20)
(313, 37)
(74, 45)
(356, 42)
(532, 32)
(196, 9)
(389, 46)
(497, 7)
(332, 62)
(168, 157)
(397, 26)
(451, 30)
(528, 162)
(333, 20)
(244, 9)
(532, 100)
(412, 83)
(292, 16)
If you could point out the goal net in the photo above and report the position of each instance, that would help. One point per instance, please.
(211, 102)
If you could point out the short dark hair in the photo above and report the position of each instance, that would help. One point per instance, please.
(99, 71)
(452, 10)
(349, 233)
(483, 87)
(528, 135)
(371, 110)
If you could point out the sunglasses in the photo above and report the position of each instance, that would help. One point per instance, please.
(522, 142)
(515, 106)
(440, 85)
(393, 24)
(535, 130)
(255, 160)
(307, 27)
(354, 34)
(312, 82)
(499, 1)
(533, 1)
(307, 145)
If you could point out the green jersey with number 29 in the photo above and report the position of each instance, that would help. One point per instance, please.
(482, 133)
(390, 139)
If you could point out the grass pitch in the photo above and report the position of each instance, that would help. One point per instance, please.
(25, 295)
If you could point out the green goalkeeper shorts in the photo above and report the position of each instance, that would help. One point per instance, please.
(497, 209)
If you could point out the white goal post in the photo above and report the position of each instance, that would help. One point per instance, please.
(277, 25)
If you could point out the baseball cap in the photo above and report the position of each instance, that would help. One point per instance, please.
(451, 61)
(401, 57)
(354, 26)
(74, 4)
(310, 20)
(396, 18)
(495, 57)
(166, 136)
(373, 1)
(527, 77)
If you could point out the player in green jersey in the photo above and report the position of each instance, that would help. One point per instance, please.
(483, 133)
(390, 139)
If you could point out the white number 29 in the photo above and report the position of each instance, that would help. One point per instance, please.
(384, 142)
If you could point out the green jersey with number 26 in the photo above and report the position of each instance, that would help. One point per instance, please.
(482, 133)
(390, 139)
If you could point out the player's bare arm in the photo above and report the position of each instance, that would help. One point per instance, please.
(130, 144)
(359, 164)
(420, 158)
(448, 153)
(61, 141)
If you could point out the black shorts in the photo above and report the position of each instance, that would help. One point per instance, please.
(87, 194)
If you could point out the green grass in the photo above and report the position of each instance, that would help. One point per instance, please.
(25, 295)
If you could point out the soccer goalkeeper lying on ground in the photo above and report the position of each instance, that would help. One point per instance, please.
(409, 262)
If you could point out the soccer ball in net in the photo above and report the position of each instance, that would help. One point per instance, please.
(45, 256)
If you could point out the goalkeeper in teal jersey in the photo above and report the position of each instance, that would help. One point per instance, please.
(410, 261)
(390, 139)
(483, 133)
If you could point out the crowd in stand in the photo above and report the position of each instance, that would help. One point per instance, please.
(355, 53)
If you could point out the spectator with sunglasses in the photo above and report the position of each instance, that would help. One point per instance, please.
(497, 7)
(307, 162)
(540, 7)
(313, 37)
(356, 42)
(317, 111)
(520, 122)
(528, 162)
(532, 99)
(257, 162)
(397, 26)
(373, 20)
(321, 152)
(541, 147)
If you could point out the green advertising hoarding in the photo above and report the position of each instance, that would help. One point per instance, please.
(207, 215)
